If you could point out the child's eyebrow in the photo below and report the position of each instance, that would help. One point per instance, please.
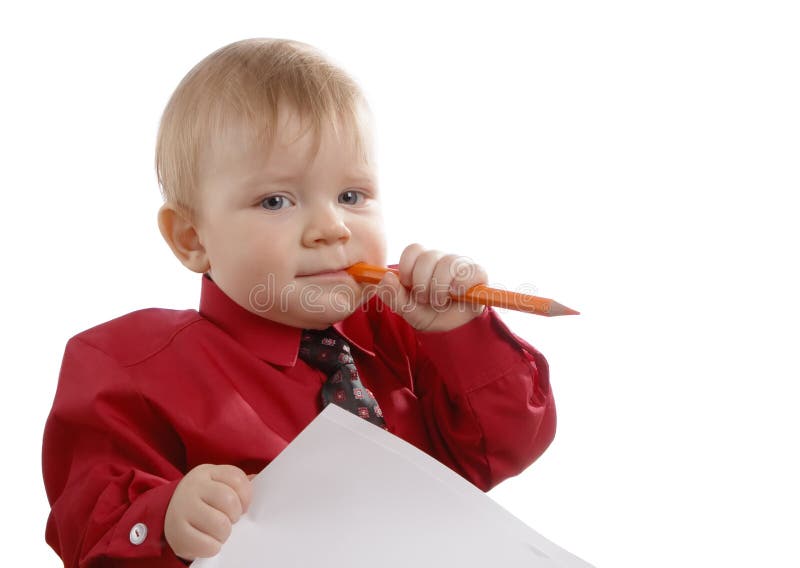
(254, 181)
(359, 174)
(360, 179)
(276, 179)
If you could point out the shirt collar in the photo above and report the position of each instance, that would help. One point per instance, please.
(268, 340)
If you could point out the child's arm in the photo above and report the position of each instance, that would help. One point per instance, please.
(113, 469)
(484, 392)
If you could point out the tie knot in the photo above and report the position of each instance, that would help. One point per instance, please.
(324, 349)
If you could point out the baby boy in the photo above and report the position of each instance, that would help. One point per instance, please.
(161, 417)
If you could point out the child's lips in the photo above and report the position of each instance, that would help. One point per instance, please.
(326, 274)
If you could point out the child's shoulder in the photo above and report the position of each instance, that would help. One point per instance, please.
(137, 335)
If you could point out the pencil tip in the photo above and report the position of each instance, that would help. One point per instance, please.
(557, 309)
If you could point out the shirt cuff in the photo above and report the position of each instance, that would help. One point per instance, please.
(473, 354)
(140, 531)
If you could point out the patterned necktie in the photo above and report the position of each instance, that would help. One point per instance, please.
(328, 351)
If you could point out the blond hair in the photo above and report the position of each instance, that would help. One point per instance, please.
(242, 84)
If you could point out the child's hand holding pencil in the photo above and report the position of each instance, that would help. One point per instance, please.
(434, 291)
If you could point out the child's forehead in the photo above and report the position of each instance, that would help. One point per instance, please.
(292, 124)
(294, 138)
(243, 151)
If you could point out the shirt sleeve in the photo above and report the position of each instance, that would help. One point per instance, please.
(486, 398)
(105, 467)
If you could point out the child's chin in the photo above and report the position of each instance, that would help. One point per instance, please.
(332, 315)
(327, 313)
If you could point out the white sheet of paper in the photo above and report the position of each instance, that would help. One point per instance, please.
(347, 493)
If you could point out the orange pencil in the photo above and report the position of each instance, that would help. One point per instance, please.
(480, 294)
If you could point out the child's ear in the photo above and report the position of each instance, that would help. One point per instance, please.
(182, 237)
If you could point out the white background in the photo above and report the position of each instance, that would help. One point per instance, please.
(637, 161)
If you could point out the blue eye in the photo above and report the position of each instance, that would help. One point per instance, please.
(351, 197)
(274, 202)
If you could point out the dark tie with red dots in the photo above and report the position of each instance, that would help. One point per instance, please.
(328, 351)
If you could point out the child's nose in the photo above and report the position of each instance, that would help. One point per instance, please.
(325, 226)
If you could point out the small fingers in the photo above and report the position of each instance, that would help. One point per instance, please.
(433, 276)
(211, 522)
(407, 260)
(225, 499)
(195, 543)
(422, 275)
(201, 512)
(466, 274)
(392, 293)
(439, 291)
(235, 479)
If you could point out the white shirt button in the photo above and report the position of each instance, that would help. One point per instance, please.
(138, 533)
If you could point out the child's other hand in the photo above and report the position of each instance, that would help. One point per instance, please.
(206, 503)
(422, 295)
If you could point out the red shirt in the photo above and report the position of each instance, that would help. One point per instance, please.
(146, 397)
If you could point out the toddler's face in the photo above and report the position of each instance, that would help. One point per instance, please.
(279, 227)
